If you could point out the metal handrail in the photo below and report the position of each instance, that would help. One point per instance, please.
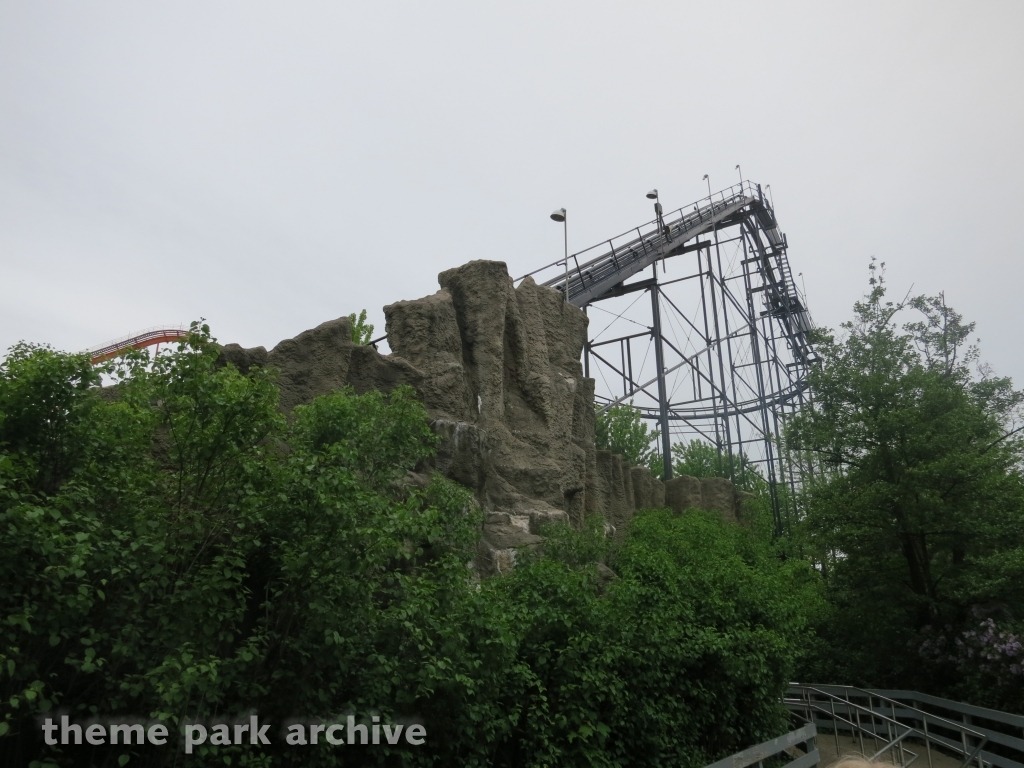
(621, 261)
(758, 754)
(807, 705)
(694, 213)
(969, 755)
(851, 716)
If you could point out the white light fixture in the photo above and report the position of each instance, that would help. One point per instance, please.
(558, 215)
(653, 195)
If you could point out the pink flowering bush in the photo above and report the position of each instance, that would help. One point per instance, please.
(985, 664)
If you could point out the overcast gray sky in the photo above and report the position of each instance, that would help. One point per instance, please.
(270, 166)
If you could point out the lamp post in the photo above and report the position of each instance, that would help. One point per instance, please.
(741, 173)
(659, 352)
(653, 195)
(559, 215)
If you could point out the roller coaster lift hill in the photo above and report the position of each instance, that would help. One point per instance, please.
(729, 330)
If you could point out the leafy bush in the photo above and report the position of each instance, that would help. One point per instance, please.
(576, 547)
(680, 660)
(200, 557)
(697, 458)
(620, 429)
(173, 548)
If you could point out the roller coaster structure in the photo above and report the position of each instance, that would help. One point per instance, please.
(729, 330)
(159, 334)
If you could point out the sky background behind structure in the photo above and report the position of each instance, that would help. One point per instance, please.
(270, 166)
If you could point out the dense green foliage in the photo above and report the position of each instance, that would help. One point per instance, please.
(185, 564)
(697, 458)
(620, 429)
(680, 659)
(916, 512)
(173, 548)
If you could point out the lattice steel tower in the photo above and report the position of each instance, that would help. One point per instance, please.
(720, 350)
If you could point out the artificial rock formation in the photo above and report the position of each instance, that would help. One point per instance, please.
(503, 381)
(498, 369)
(714, 494)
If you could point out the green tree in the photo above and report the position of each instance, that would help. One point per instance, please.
(362, 331)
(173, 547)
(680, 660)
(621, 429)
(697, 458)
(45, 404)
(918, 499)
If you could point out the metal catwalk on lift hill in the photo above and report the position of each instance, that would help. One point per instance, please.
(729, 333)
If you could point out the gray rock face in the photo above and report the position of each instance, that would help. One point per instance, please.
(682, 493)
(322, 360)
(498, 369)
(426, 334)
(716, 494)
(648, 491)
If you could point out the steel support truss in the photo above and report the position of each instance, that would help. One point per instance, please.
(721, 349)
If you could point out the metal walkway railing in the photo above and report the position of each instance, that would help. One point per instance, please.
(802, 737)
(900, 727)
(986, 737)
(882, 727)
(593, 272)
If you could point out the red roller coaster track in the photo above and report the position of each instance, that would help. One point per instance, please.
(145, 338)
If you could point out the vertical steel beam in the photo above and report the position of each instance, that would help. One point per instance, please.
(629, 361)
(762, 395)
(718, 345)
(721, 361)
(659, 360)
(726, 294)
(586, 344)
(622, 367)
(707, 335)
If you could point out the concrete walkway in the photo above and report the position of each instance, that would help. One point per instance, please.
(826, 743)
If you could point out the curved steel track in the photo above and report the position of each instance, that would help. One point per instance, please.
(138, 340)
